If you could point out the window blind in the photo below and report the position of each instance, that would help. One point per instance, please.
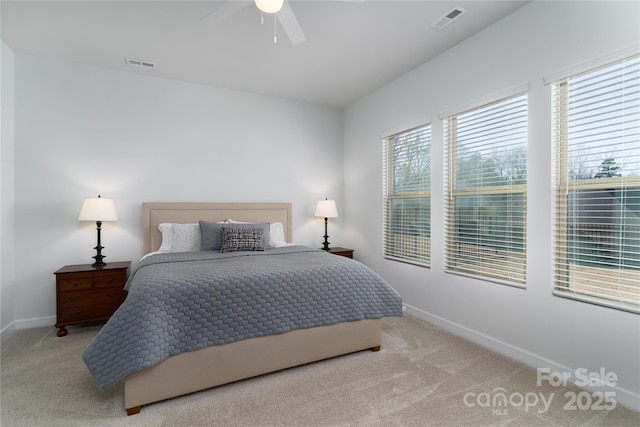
(485, 184)
(407, 196)
(597, 181)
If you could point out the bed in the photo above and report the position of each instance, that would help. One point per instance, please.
(282, 343)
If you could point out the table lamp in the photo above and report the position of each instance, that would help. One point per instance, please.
(98, 209)
(326, 209)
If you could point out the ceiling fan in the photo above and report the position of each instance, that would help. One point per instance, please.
(281, 8)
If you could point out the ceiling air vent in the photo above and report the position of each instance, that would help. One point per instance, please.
(140, 63)
(445, 20)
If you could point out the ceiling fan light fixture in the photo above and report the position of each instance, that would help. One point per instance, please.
(270, 6)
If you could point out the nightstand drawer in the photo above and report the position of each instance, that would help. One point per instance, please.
(75, 299)
(118, 278)
(87, 313)
(74, 282)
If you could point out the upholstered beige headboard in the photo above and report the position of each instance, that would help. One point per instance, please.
(180, 212)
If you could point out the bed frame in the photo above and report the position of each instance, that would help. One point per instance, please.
(212, 366)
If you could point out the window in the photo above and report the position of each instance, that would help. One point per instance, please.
(485, 185)
(407, 196)
(597, 182)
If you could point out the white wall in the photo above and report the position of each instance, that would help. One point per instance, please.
(7, 167)
(82, 131)
(531, 325)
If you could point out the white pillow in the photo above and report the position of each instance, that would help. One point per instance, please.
(179, 237)
(276, 233)
(185, 237)
(165, 230)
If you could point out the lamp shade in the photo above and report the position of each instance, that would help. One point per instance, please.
(98, 209)
(270, 6)
(326, 209)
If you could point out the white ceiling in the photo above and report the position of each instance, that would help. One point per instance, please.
(352, 47)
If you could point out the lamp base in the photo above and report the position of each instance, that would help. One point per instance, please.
(325, 245)
(99, 257)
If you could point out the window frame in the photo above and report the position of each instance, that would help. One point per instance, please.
(421, 254)
(453, 263)
(564, 186)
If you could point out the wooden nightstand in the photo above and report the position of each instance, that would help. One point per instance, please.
(342, 252)
(86, 294)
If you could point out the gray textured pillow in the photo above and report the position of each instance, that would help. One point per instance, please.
(211, 235)
(236, 239)
(264, 227)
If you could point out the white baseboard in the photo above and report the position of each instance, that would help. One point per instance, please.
(28, 323)
(36, 322)
(5, 331)
(623, 396)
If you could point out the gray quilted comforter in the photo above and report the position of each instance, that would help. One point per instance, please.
(180, 302)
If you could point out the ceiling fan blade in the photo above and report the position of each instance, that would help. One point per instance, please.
(290, 24)
(225, 11)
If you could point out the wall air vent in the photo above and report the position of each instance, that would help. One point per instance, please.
(445, 20)
(140, 63)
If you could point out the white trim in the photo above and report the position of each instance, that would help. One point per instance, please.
(622, 396)
(597, 301)
(407, 126)
(5, 331)
(35, 322)
(486, 279)
(593, 63)
(497, 96)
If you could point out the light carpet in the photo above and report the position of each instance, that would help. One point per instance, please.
(423, 376)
